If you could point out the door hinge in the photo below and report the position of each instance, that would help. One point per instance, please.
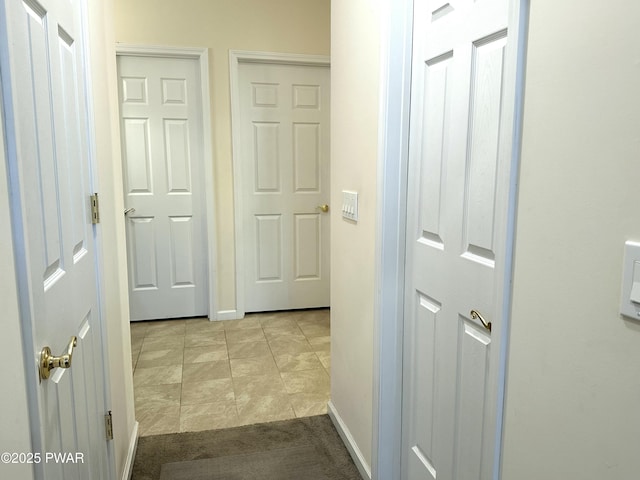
(108, 423)
(95, 208)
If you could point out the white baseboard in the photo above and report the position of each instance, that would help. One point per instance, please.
(131, 454)
(347, 438)
(228, 315)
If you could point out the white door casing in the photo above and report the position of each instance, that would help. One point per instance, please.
(281, 170)
(460, 194)
(163, 170)
(48, 138)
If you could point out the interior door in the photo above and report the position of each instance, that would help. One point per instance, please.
(162, 158)
(460, 162)
(284, 130)
(45, 108)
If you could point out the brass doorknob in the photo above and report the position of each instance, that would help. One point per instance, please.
(48, 362)
(324, 208)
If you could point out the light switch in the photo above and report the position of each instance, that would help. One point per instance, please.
(630, 301)
(635, 292)
(350, 205)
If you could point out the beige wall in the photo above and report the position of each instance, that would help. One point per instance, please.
(355, 67)
(573, 387)
(115, 299)
(289, 26)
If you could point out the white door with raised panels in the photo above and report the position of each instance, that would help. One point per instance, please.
(162, 154)
(49, 163)
(460, 161)
(284, 142)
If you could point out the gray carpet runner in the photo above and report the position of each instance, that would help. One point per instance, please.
(298, 449)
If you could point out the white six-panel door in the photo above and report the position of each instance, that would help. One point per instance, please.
(460, 159)
(163, 185)
(49, 163)
(284, 151)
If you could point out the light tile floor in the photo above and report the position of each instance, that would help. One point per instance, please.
(195, 374)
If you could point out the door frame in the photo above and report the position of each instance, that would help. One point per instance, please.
(237, 57)
(393, 159)
(200, 54)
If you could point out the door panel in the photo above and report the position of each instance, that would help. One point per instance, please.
(460, 159)
(307, 246)
(269, 247)
(142, 241)
(182, 254)
(473, 368)
(423, 332)
(306, 157)
(284, 171)
(163, 163)
(484, 118)
(176, 135)
(137, 178)
(45, 93)
(436, 74)
(267, 157)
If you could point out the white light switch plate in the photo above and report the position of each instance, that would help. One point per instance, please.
(350, 205)
(630, 301)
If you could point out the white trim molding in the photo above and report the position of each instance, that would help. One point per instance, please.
(393, 159)
(127, 471)
(162, 51)
(228, 315)
(350, 443)
(246, 56)
(202, 56)
(236, 57)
